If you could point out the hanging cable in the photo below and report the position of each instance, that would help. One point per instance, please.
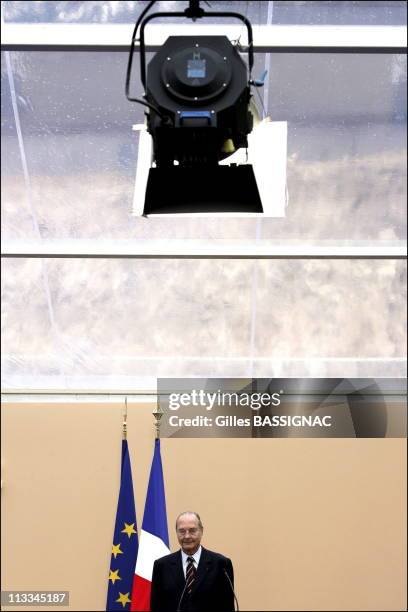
(129, 66)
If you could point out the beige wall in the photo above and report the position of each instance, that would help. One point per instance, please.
(310, 524)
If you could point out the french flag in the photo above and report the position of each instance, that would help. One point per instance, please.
(154, 536)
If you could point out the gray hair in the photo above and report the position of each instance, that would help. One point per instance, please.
(194, 514)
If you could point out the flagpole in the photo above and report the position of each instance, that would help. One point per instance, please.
(154, 536)
(124, 430)
(157, 413)
(125, 537)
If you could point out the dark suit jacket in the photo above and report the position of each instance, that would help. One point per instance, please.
(211, 590)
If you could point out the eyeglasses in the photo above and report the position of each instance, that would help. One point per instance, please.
(183, 532)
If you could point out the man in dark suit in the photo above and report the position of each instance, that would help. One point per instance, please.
(193, 579)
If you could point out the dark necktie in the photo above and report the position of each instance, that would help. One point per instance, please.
(190, 574)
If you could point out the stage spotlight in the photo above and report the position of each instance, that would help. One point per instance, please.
(198, 94)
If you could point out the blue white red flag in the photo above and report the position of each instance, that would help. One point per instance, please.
(154, 536)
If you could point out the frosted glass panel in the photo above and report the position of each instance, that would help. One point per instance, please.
(116, 322)
(31, 355)
(311, 12)
(16, 209)
(346, 165)
(116, 12)
(346, 162)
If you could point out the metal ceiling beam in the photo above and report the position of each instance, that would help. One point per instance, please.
(193, 249)
(267, 38)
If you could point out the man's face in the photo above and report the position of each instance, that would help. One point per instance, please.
(189, 533)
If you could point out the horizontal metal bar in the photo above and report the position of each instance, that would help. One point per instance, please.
(193, 249)
(267, 49)
(91, 393)
(220, 358)
(68, 397)
(151, 396)
(148, 397)
(146, 388)
(276, 38)
(148, 394)
(201, 256)
(122, 395)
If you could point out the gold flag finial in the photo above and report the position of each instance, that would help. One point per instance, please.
(157, 413)
(124, 431)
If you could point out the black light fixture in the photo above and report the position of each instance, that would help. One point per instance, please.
(197, 90)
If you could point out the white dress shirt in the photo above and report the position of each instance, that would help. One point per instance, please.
(196, 558)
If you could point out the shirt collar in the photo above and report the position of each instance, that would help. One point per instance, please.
(196, 556)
